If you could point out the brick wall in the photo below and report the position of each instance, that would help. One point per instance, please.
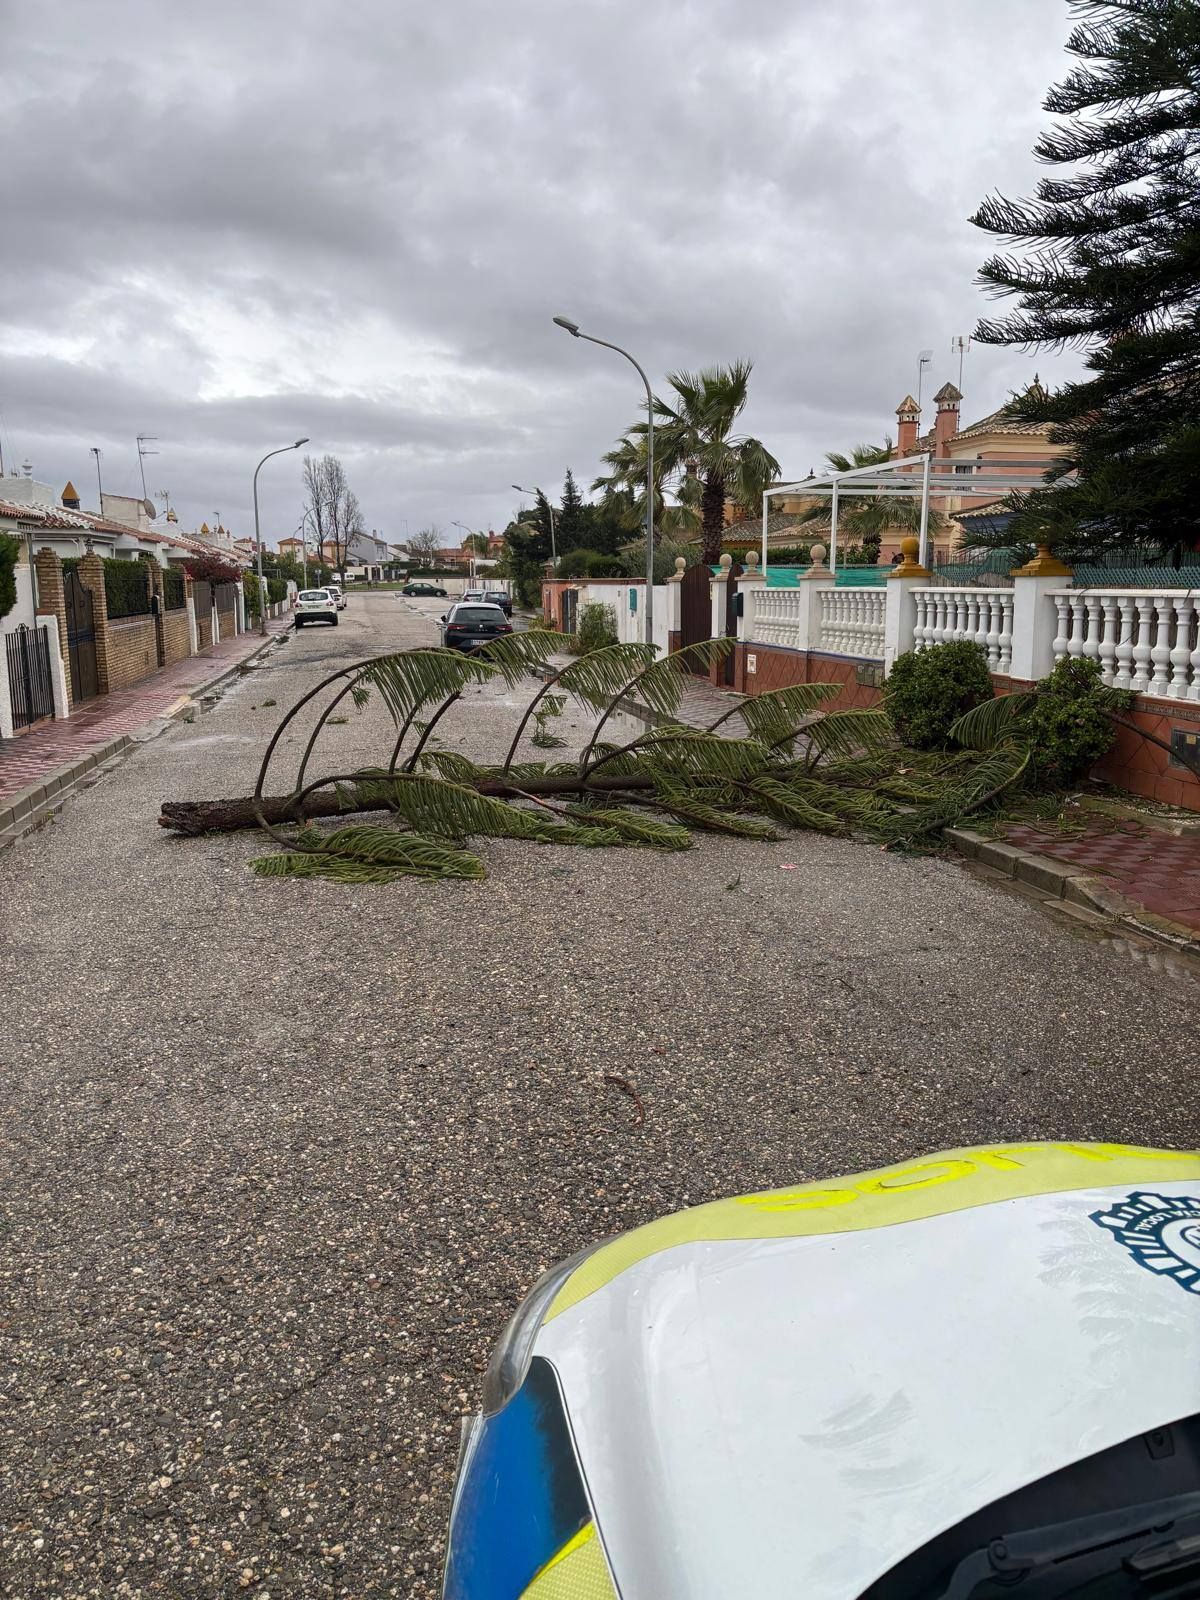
(1133, 763)
(51, 602)
(132, 652)
(1136, 764)
(776, 668)
(204, 627)
(227, 622)
(177, 642)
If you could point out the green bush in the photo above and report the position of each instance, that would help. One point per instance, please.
(1067, 726)
(928, 690)
(174, 595)
(8, 573)
(253, 595)
(595, 627)
(276, 590)
(126, 587)
(590, 564)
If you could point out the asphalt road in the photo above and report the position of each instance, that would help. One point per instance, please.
(278, 1158)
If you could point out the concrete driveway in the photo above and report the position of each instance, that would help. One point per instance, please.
(279, 1158)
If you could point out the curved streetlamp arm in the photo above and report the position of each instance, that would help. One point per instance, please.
(282, 451)
(591, 338)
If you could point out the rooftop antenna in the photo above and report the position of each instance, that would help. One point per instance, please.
(959, 347)
(925, 359)
(96, 451)
(143, 453)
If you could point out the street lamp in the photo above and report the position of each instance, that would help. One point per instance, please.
(283, 450)
(574, 330)
(550, 507)
(470, 548)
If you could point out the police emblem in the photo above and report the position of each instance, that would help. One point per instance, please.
(1161, 1233)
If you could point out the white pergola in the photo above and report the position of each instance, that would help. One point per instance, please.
(919, 478)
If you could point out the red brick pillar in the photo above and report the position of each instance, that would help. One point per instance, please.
(157, 607)
(91, 575)
(52, 602)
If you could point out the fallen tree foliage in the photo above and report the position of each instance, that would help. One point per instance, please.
(798, 765)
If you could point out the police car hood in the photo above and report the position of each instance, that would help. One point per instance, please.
(785, 1394)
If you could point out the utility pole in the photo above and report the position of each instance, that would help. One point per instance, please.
(99, 483)
(142, 439)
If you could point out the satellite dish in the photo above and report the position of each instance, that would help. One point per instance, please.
(148, 508)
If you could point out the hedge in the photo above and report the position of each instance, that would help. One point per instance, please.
(276, 590)
(126, 587)
(174, 589)
(8, 573)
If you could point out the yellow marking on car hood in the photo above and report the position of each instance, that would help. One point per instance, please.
(951, 1180)
(578, 1572)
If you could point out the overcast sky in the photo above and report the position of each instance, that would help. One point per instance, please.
(234, 223)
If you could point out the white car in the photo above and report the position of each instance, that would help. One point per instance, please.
(315, 605)
(974, 1373)
(339, 599)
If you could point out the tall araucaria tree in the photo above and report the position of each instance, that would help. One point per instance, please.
(1107, 257)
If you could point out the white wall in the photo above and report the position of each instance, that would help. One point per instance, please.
(23, 610)
(631, 625)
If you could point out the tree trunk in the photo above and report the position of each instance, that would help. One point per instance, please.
(227, 816)
(712, 506)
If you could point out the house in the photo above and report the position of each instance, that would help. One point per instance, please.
(292, 547)
(1025, 449)
(43, 518)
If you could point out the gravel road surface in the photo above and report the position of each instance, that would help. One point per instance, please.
(278, 1158)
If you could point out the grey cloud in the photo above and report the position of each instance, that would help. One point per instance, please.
(232, 223)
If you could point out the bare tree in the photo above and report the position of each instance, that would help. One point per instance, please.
(332, 505)
(424, 546)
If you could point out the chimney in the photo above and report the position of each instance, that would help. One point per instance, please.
(70, 497)
(909, 413)
(946, 425)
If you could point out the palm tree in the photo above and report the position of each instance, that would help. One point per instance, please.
(625, 486)
(695, 435)
(866, 517)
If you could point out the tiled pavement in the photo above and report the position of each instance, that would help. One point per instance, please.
(1159, 872)
(34, 756)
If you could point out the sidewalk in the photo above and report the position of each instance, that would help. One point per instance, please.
(1156, 871)
(34, 757)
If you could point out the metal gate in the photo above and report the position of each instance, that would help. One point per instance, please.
(202, 600)
(30, 686)
(570, 609)
(81, 638)
(731, 619)
(695, 610)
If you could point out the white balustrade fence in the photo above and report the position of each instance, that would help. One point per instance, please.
(851, 622)
(981, 616)
(1143, 641)
(776, 616)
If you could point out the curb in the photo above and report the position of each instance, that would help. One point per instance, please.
(1056, 881)
(26, 810)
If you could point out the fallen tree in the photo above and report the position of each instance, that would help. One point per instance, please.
(798, 764)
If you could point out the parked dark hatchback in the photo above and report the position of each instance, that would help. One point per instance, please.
(501, 598)
(428, 590)
(465, 626)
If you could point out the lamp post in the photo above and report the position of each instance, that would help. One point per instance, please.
(283, 449)
(550, 507)
(574, 330)
(470, 548)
